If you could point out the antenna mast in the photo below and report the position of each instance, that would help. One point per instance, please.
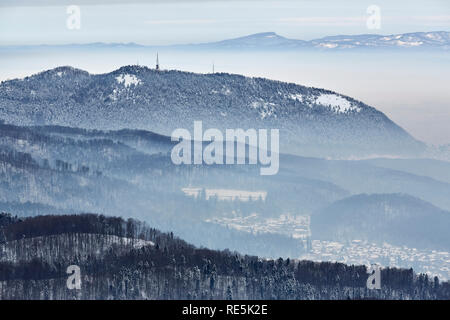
(157, 61)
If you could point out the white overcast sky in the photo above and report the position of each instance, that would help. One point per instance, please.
(186, 21)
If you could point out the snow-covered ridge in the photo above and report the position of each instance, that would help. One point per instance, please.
(161, 101)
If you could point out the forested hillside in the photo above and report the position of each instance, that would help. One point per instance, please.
(312, 121)
(129, 173)
(126, 259)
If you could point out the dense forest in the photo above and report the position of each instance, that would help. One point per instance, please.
(127, 259)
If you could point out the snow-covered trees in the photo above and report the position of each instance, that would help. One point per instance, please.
(126, 259)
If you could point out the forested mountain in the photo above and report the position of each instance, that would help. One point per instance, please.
(312, 122)
(126, 259)
(51, 170)
(437, 169)
(46, 170)
(393, 218)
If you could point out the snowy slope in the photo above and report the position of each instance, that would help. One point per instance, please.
(312, 121)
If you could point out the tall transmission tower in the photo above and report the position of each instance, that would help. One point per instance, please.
(157, 62)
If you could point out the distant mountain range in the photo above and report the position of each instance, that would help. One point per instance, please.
(273, 41)
(61, 170)
(47, 170)
(312, 122)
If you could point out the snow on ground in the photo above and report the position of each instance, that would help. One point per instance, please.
(359, 252)
(128, 80)
(226, 194)
(136, 243)
(336, 102)
(409, 44)
(328, 45)
(296, 96)
(114, 95)
(296, 226)
(266, 109)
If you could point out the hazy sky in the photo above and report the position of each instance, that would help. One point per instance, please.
(185, 21)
